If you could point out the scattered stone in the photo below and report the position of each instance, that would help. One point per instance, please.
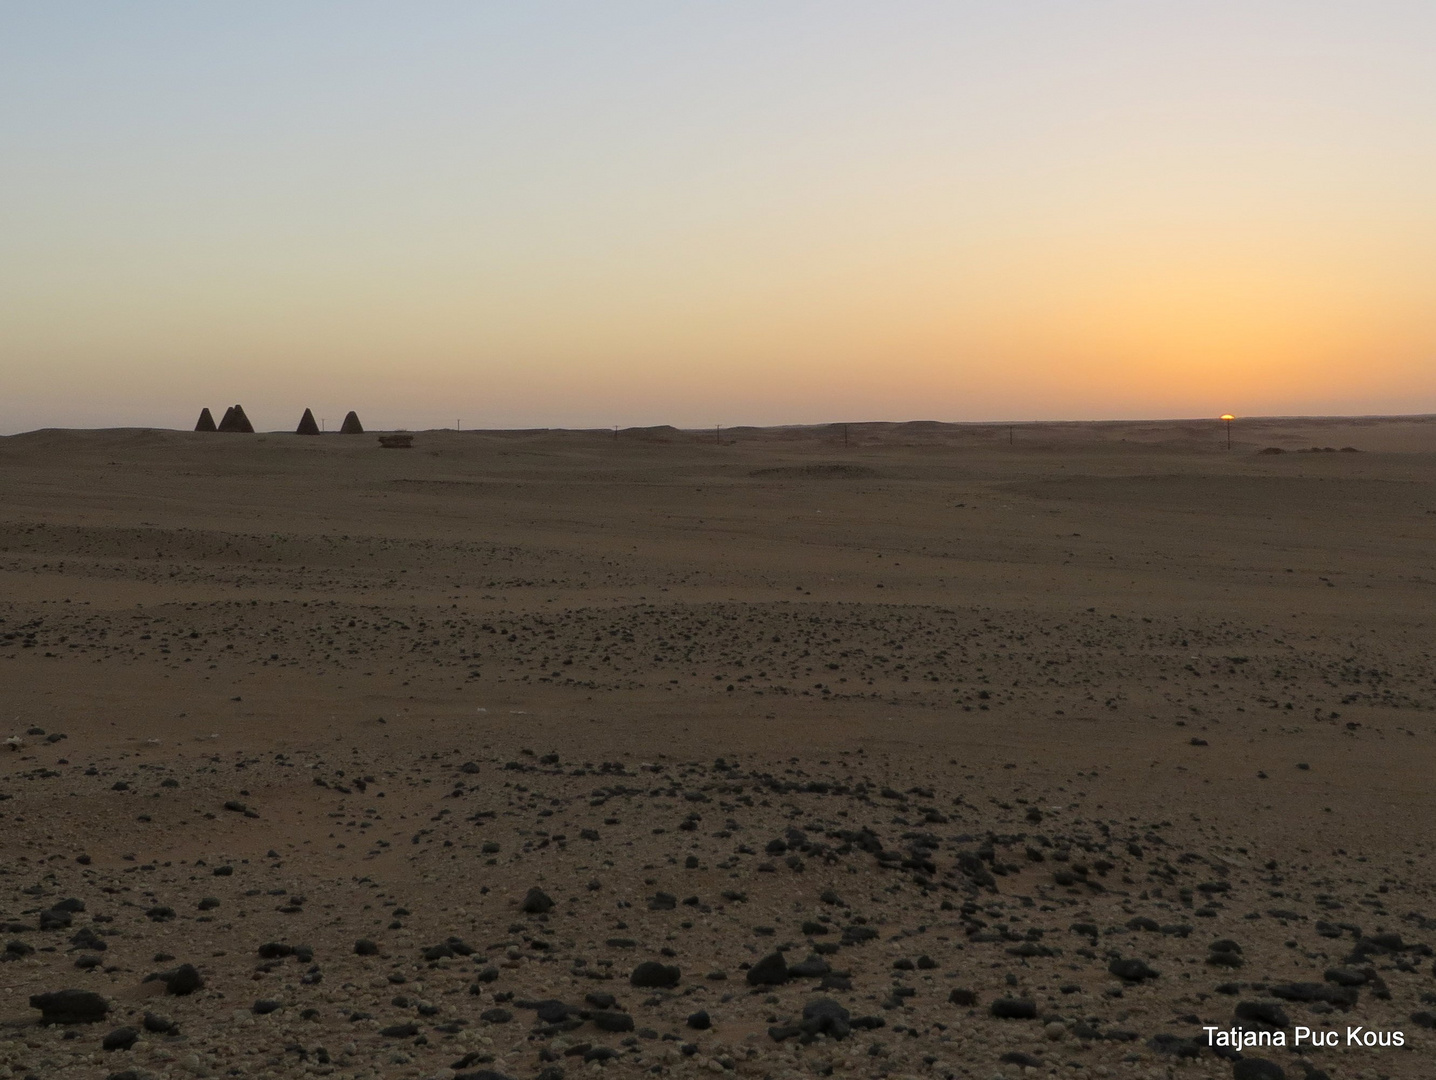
(653, 974)
(1014, 1009)
(1131, 970)
(536, 901)
(120, 1039)
(771, 970)
(70, 1007)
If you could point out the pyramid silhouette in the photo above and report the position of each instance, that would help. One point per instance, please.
(352, 425)
(235, 420)
(307, 426)
(206, 421)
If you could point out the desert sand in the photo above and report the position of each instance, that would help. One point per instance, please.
(908, 750)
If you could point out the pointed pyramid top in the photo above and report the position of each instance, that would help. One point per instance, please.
(235, 420)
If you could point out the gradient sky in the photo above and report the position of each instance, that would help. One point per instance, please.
(582, 214)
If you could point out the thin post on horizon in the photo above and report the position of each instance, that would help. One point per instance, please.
(1227, 419)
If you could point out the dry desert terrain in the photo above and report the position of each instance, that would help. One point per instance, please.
(893, 750)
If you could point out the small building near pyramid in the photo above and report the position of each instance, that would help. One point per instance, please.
(351, 425)
(307, 426)
(235, 421)
(206, 421)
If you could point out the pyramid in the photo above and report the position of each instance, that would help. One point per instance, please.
(235, 420)
(206, 421)
(352, 425)
(307, 426)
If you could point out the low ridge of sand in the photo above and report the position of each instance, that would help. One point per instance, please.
(882, 750)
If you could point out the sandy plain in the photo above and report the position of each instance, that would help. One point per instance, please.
(954, 720)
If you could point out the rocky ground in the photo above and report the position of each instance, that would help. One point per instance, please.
(411, 795)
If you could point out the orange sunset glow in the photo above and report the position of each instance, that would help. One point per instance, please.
(561, 216)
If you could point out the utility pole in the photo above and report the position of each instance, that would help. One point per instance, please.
(321, 425)
(615, 433)
(718, 434)
(458, 425)
(1227, 419)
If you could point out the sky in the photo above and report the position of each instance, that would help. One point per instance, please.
(546, 214)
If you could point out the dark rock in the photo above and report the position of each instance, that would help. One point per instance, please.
(651, 973)
(120, 1039)
(1345, 976)
(496, 1015)
(965, 998)
(70, 1007)
(857, 934)
(700, 1021)
(536, 902)
(824, 1016)
(1131, 970)
(400, 1031)
(611, 1021)
(1174, 1045)
(552, 1011)
(365, 947)
(182, 981)
(1257, 1069)
(1343, 997)
(1264, 1014)
(772, 970)
(87, 938)
(159, 1025)
(814, 967)
(1013, 1009)
(265, 1006)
